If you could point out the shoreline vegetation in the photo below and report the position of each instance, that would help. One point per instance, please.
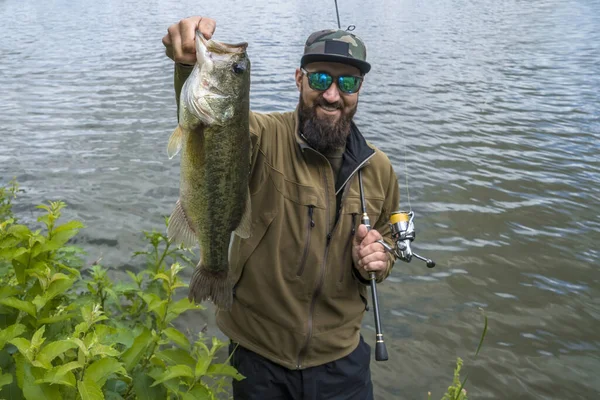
(67, 331)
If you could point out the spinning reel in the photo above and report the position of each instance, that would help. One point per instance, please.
(403, 233)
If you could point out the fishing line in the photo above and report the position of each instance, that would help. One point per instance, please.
(406, 172)
(351, 28)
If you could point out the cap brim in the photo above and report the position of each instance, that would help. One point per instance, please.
(363, 66)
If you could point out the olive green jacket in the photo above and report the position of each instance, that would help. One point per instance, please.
(298, 300)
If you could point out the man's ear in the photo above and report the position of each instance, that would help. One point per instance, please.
(299, 78)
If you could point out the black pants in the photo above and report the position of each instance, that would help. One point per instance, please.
(348, 378)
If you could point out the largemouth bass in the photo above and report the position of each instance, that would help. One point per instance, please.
(214, 138)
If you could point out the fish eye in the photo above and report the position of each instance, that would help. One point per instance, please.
(238, 68)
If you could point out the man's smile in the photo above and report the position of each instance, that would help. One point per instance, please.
(329, 110)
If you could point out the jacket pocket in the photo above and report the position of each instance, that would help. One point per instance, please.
(243, 249)
(310, 224)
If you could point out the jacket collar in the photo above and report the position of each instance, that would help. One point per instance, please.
(356, 154)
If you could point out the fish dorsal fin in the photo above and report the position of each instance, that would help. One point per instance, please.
(244, 229)
(175, 142)
(179, 229)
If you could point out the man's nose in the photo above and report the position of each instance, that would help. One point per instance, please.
(332, 94)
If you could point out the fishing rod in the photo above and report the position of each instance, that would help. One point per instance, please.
(381, 353)
(403, 233)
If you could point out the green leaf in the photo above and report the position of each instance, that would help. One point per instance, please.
(7, 291)
(20, 305)
(103, 332)
(8, 245)
(22, 345)
(27, 375)
(53, 350)
(175, 371)
(104, 350)
(132, 276)
(135, 353)
(163, 277)
(12, 253)
(38, 338)
(68, 367)
(100, 370)
(10, 333)
(89, 390)
(56, 287)
(176, 356)
(69, 226)
(179, 307)
(19, 231)
(198, 392)
(56, 318)
(141, 387)
(19, 265)
(116, 385)
(177, 337)
(57, 377)
(123, 336)
(61, 235)
(216, 345)
(485, 327)
(155, 303)
(202, 366)
(5, 379)
(80, 345)
(224, 370)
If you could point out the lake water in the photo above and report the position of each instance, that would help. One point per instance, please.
(489, 109)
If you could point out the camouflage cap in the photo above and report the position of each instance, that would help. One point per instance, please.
(336, 46)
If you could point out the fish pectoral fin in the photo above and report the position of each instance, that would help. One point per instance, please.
(175, 142)
(179, 229)
(244, 229)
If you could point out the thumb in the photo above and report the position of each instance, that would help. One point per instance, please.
(361, 232)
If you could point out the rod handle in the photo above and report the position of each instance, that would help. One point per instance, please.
(381, 353)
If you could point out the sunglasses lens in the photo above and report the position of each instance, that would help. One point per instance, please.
(319, 80)
(349, 84)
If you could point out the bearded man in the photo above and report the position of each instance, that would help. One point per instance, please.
(300, 279)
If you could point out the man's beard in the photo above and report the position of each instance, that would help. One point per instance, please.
(324, 134)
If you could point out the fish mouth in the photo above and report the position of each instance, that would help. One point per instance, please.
(217, 47)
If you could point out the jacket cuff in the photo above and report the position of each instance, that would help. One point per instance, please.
(360, 278)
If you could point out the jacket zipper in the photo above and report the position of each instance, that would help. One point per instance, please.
(310, 225)
(317, 291)
(352, 233)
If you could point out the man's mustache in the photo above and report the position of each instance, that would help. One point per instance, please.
(320, 101)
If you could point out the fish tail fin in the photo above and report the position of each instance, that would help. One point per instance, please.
(213, 285)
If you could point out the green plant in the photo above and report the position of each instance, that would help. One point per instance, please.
(7, 194)
(69, 332)
(457, 391)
